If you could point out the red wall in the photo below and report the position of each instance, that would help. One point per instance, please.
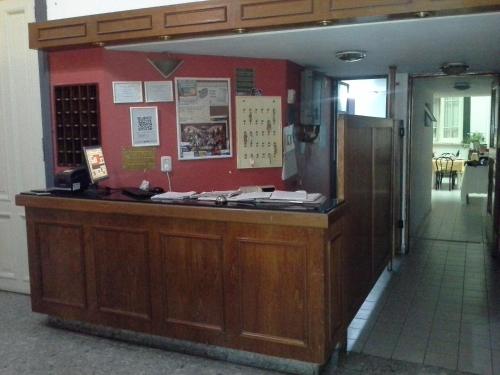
(98, 65)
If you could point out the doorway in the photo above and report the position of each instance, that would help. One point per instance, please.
(451, 118)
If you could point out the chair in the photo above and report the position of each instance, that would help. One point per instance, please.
(444, 169)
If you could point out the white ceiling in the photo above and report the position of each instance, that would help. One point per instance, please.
(415, 46)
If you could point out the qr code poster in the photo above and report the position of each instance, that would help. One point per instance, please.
(144, 126)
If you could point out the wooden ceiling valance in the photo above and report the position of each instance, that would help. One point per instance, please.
(219, 17)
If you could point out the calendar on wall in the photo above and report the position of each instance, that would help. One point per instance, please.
(259, 131)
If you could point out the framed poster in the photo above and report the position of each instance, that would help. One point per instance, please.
(144, 126)
(203, 118)
(127, 92)
(159, 91)
(259, 132)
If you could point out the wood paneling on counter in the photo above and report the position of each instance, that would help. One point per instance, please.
(61, 261)
(226, 16)
(192, 274)
(121, 273)
(267, 288)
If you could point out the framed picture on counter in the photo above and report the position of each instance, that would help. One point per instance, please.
(144, 126)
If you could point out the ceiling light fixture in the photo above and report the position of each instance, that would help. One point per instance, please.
(350, 56)
(455, 68)
(462, 85)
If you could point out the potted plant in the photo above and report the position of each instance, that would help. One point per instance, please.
(471, 139)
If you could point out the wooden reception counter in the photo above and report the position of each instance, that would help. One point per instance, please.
(264, 280)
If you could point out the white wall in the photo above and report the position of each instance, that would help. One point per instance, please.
(421, 157)
(57, 9)
(480, 115)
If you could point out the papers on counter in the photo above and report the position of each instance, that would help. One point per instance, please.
(277, 196)
(254, 195)
(212, 195)
(299, 195)
(173, 195)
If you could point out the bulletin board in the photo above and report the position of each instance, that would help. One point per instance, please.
(203, 118)
(259, 131)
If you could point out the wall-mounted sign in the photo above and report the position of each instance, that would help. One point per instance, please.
(259, 131)
(144, 126)
(138, 159)
(127, 92)
(203, 118)
(159, 91)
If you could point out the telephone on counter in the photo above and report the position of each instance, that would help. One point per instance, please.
(139, 193)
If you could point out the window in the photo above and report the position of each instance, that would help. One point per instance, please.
(449, 127)
(364, 97)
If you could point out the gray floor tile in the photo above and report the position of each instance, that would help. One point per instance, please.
(475, 341)
(475, 360)
(495, 359)
(438, 345)
(409, 354)
(380, 347)
(448, 361)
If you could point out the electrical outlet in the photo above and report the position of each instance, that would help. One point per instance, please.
(166, 164)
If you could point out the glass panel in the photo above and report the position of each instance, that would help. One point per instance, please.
(367, 96)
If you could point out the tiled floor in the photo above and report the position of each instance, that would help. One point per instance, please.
(441, 304)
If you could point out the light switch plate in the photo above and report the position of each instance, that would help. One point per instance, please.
(166, 164)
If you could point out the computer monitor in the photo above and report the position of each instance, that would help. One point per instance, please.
(94, 158)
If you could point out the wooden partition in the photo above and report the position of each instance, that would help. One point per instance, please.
(366, 176)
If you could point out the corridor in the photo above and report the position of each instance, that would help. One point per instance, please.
(441, 305)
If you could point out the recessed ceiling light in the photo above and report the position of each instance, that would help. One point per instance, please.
(462, 85)
(454, 68)
(350, 56)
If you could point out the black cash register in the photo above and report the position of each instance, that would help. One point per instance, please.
(72, 180)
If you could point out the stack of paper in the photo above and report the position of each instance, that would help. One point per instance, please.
(173, 195)
(299, 196)
(212, 195)
(250, 196)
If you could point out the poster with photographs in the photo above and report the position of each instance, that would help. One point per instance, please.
(204, 140)
(203, 118)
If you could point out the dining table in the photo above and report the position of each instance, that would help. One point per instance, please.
(458, 166)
